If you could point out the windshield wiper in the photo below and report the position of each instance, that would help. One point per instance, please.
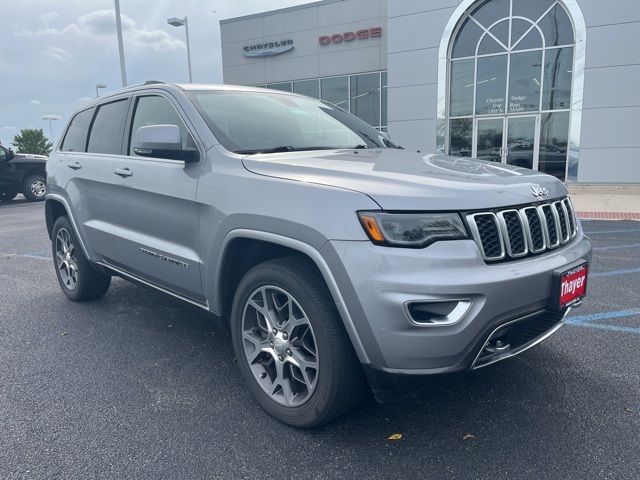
(283, 148)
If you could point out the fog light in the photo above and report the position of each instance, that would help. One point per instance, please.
(438, 313)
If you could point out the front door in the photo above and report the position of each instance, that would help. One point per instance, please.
(159, 230)
(512, 140)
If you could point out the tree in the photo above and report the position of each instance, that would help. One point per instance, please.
(32, 140)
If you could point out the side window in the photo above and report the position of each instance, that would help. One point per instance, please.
(3, 153)
(107, 128)
(76, 137)
(155, 110)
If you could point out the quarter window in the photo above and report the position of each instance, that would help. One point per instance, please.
(107, 128)
(156, 110)
(76, 138)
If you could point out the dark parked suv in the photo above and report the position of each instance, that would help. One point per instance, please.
(22, 173)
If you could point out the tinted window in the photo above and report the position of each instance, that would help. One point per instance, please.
(460, 135)
(558, 71)
(524, 82)
(461, 93)
(154, 110)
(336, 91)
(284, 86)
(310, 88)
(76, 138)
(365, 97)
(491, 85)
(107, 128)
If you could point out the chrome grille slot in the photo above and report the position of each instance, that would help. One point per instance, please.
(486, 232)
(520, 232)
(534, 229)
(550, 225)
(514, 233)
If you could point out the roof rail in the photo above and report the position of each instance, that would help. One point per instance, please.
(152, 82)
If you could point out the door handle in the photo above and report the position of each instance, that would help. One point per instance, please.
(74, 166)
(123, 172)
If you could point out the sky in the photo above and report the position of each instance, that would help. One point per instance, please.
(52, 54)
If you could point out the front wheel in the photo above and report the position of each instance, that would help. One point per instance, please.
(6, 197)
(35, 188)
(78, 279)
(291, 347)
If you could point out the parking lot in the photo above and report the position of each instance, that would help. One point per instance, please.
(140, 385)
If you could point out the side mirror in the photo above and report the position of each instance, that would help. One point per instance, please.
(162, 141)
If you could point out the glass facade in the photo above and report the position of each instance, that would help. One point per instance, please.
(364, 95)
(510, 71)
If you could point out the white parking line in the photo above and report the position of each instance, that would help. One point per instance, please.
(21, 228)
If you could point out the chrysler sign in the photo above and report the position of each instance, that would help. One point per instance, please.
(268, 49)
(351, 36)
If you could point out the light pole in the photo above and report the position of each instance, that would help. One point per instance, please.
(98, 86)
(179, 22)
(123, 71)
(50, 118)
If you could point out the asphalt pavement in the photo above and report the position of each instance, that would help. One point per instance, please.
(140, 385)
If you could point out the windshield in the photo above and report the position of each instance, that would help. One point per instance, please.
(257, 122)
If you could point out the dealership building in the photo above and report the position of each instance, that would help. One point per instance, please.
(545, 84)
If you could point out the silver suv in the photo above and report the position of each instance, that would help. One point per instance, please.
(342, 262)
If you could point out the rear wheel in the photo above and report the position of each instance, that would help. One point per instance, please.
(7, 196)
(291, 346)
(35, 188)
(78, 279)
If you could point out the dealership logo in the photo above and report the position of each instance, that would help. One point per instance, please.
(351, 36)
(268, 49)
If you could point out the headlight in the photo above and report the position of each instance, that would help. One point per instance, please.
(413, 230)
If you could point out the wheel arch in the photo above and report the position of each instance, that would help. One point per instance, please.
(242, 249)
(56, 206)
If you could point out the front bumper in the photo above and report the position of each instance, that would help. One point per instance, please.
(377, 282)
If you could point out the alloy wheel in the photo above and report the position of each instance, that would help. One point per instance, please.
(280, 346)
(66, 261)
(38, 188)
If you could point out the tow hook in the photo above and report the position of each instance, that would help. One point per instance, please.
(497, 346)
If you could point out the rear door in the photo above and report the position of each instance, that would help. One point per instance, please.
(92, 142)
(159, 226)
(7, 172)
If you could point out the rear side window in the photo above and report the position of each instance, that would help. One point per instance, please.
(155, 110)
(107, 128)
(76, 138)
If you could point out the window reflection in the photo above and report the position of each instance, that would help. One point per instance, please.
(284, 86)
(310, 88)
(554, 138)
(491, 85)
(461, 92)
(558, 72)
(365, 97)
(460, 133)
(524, 81)
(335, 90)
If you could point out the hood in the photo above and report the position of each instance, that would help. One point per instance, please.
(402, 180)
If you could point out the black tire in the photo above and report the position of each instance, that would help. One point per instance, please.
(340, 381)
(90, 283)
(32, 188)
(6, 197)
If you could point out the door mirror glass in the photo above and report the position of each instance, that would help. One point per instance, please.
(162, 141)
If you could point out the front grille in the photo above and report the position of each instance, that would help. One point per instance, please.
(519, 232)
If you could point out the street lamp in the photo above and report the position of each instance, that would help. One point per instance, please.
(98, 86)
(50, 118)
(179, 22)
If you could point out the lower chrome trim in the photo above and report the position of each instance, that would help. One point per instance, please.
(522, 348)
(131, 276)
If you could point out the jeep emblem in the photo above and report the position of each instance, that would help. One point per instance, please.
(539, 191)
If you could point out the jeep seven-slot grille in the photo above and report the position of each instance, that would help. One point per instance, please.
(518, 232)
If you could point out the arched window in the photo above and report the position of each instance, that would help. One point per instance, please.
(510, 76)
